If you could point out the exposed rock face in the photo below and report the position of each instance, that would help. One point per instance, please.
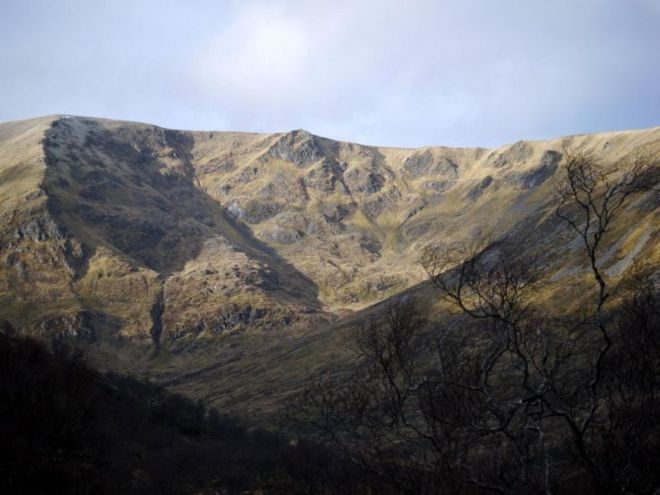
(131, 231)
(515, 154)
(37, 230)
(298, 147)
(425, 163)
(534, 177)
(122, 214)
(335, 213)
(73, 326)
(476, 192)
(364, 181)
(289, 227)
(326, 177)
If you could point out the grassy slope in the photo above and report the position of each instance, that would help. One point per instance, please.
(256, 373)
(348, 226)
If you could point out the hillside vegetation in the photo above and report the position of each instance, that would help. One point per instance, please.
(232, 266)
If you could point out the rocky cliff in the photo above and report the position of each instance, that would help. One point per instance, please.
(129, 232)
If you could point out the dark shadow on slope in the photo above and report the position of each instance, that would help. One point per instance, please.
(132, 188)
(538, 231)
(67, 428)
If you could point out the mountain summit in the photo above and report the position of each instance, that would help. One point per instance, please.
(139, 232)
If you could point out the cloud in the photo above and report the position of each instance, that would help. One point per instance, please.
(420, 72)
(474, 72)
(260, 56)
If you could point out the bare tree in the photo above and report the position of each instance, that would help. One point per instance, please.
(557, 381)
(630, 390)
(502, 382)
(511, 398)
(591, 197)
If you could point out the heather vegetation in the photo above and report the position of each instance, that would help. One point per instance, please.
(224, 283)
(521, 397)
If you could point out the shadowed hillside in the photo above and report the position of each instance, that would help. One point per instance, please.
(132, 239)
(245, 260)
(69, 429)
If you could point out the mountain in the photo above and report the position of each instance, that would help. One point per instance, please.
(239, 257)
(114, 434)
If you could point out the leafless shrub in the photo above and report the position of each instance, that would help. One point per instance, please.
(518, 400)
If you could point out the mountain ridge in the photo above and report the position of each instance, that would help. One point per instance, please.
(131, 236)
(333, 180)
(56, 116)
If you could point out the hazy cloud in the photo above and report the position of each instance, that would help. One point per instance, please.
(384, 72)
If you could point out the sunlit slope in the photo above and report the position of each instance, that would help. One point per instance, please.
(119, 231)
(259, 376)
(124, 243)
(354, 218)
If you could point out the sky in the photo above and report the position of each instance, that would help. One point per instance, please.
(399, 73)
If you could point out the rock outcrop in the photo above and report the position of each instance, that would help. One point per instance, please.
(125, 231)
